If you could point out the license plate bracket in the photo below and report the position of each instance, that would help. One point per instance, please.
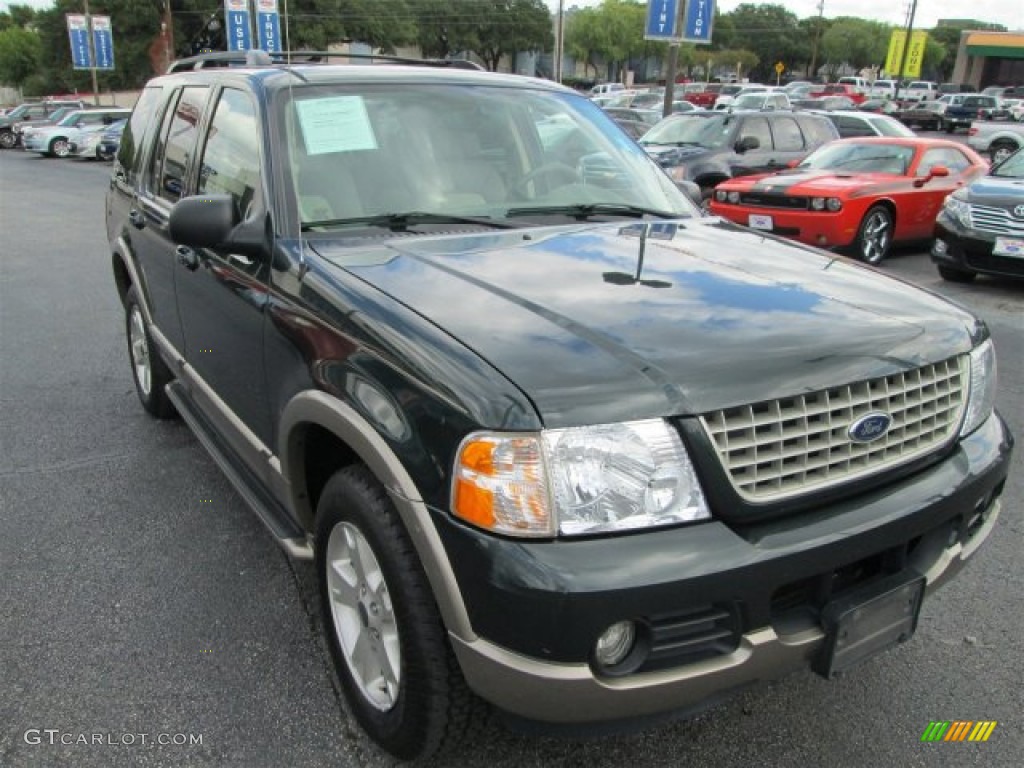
(1009, 246)
(869, 621)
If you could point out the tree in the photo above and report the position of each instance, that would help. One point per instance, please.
(586, 37)
(855, 42)
(444, 28)
(735, 60)
(509, 26)
(20, 51)
(772, 33)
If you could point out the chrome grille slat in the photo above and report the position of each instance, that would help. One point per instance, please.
(783, 448)
(999, 221)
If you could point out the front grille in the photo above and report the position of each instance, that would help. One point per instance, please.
(784, 448)
(685, 638)
(999, 221)
(760, 200)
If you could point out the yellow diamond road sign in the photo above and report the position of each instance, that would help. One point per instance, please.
(780, 67)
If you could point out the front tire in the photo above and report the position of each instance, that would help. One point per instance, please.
(59, 147)
(874, 237)
(8, 140)
(389, 645)
(956, 275)
(149, 371)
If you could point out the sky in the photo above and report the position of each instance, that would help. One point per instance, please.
(1005, 12)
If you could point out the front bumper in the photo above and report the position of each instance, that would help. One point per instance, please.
(819, 228)
(969, 250)
(538, 607)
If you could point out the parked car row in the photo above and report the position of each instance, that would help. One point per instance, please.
(853, 181)
(63, 128)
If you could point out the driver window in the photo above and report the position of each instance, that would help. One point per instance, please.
(758, 128)
(231, 158)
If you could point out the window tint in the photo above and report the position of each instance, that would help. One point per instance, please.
(758, 128)
(134, 132)
(787, 135)
(178, 141)
(231, 158)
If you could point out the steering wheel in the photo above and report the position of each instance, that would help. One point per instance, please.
(554, 169)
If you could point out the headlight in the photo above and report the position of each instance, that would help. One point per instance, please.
(610, 477)
(834, 204)
(720, 195)
(958, 209)
(982, 397)
(734, 197)
(818, 203)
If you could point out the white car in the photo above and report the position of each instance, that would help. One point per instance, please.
(726, 100)
(920, 90)
(52, 140)
(761, 100)
(882, 89)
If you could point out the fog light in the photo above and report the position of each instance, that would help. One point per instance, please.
(615, 643)
(939, 247)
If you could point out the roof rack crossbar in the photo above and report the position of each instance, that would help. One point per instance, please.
(258, 58)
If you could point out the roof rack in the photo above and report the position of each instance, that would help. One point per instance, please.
(257, 58)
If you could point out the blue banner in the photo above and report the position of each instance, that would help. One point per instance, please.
(662, 20)
(237, 28)
(697, 21)
(268, 25)
(78, 32)
(103, 42)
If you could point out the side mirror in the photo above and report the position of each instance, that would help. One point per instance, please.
(747, 143)
(212, 221)
(937, 172)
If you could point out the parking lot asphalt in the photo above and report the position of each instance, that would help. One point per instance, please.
(140, 596)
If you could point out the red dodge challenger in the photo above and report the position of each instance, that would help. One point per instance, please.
(861, 194)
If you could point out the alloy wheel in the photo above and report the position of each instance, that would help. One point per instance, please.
(140, 351)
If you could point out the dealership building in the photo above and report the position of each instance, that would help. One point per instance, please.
(990, 58)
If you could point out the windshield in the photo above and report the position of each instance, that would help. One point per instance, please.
(468, 151)
(709, 132)
(861, 157)
(890, 127)
(67, 119)
(1012, 168)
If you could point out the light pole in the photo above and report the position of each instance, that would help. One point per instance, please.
(559, 41)
(92, 55)
(906, 49)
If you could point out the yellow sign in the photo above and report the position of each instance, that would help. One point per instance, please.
(915, 54)
(779, 68)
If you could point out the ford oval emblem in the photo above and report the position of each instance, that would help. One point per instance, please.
(869, 427)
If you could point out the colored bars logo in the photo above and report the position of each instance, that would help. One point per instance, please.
(958, 730)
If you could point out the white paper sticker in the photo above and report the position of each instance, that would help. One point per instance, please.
(335, 124)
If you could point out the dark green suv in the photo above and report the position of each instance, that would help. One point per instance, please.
(558, 446)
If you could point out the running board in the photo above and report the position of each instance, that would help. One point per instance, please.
(287, 532)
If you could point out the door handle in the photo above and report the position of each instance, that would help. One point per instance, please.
(136, 218)
(241, 260)
(187, 257)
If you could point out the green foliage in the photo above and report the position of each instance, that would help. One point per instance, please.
(509, 26)
(20, 51)
(772, 34)
(856, 42)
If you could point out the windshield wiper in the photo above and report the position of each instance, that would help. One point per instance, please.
(400, 222)
(586, 210)
(670, 144)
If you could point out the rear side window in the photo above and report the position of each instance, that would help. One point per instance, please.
(136, 129)
(177, 144)
(817, 131)
(787, 135)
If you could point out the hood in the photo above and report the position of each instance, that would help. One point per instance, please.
(995, 190)
(670, 154)
(814, 181)
(716, 316)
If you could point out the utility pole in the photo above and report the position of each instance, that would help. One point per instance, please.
(167, 28)
(817, 40)
(906, 49)
(559, 41)
(92, 55)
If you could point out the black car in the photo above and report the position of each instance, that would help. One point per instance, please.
(926, 115)
(980, 228)
(728, 144)
(558, 446)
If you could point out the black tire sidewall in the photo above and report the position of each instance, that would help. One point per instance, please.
(155, 401)
(410, 728)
